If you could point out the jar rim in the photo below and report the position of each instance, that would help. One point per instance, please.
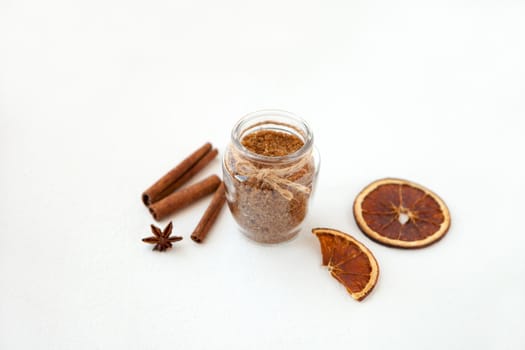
(265, 116)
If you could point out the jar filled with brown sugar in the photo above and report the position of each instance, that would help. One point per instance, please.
(269, 170)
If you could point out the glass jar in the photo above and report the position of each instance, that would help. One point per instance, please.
(269, 195)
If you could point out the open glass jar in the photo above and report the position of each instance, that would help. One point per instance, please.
(268, 194)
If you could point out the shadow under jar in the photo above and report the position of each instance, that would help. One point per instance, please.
(269, 172)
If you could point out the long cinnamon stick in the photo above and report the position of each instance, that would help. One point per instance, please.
(184, 197)
(208, 157)
(210, 215)
(177, 176)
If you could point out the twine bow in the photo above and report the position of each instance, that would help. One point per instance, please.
(275, 178)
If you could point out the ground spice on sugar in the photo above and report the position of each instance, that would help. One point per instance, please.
(260, 208)
(272, 143)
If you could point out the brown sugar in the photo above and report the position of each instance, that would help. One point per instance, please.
(272, 143)
(269, 200)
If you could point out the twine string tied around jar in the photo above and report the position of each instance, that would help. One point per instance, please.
(274, 177)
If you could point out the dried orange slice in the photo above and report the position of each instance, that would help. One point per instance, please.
(349, 261)
(400, 213)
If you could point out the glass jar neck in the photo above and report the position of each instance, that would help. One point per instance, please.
(274, 120)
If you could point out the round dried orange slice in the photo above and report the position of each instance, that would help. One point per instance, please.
(400, 213)
(349, 261)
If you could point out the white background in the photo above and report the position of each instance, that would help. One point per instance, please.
(100, 98)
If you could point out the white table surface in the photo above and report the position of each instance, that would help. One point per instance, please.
(100, 98)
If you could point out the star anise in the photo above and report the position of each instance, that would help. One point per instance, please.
(162, 239)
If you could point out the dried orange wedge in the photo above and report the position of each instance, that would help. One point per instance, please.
(349, 261)
(400, 213)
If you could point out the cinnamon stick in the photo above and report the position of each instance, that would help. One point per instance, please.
(208, 157)
(184, 197)
(210, 215)
(177, 176)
